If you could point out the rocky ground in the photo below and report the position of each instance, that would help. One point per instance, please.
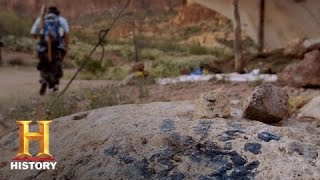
(166, 141)
(168, 132)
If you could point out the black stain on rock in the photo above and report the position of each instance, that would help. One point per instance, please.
(235, 126)
(228, 146)
(203, 128)
(143, 168)
(164, 157)
(238, 160)
(185, 150)
(177, 176)
(196, 157)
(267, 137)
(233, 132)
(253, 148)
(230, 135)
(245, 172)
(296, 147)
(112, 151)
(228, 164)
(167, 126)
(253, 165)
(126, 159)
(221, 173)
(203, 177)
(303, 150)
(100, 174)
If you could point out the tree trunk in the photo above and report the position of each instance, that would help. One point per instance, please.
(135, 43)
(261, 26)
(237, 41)
(1, 62)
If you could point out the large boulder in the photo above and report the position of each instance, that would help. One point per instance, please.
(305, 73)
(295, 48)
(212, 105)
(268, 104)
(163, 141)
(311, 110)
(298, 47)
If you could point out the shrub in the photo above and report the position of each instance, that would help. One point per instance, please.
(91, 65)
(23, 111)
(167, 46)
(151, 54)
(68, 64)
(63, 106)
(116, 73)
(85, 37)
(128, 53)
(37, 108)
(109, 96)
(21, 44)
(171, 66)
(191, 30)
(222, 53)
(197, 49)
(13, 24)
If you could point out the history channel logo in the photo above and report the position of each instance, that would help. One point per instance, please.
(24, 160)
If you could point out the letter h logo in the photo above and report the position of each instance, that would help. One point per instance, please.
(25, 137)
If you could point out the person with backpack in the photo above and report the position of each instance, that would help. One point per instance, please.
(53, 31)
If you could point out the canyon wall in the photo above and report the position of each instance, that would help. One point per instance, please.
(73, 9)
(285, 20)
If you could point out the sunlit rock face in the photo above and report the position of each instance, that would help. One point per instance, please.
(285, 20)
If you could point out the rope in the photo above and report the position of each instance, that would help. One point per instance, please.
(102, 35)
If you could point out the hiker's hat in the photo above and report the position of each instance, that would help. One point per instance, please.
(54, 10)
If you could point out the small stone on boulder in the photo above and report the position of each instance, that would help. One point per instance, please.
(268, 104)
(213, 105)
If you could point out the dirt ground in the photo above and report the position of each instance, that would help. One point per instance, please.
(20, 84)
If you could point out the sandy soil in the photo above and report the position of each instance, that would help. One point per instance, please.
(24, 82)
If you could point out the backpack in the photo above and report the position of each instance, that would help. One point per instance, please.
(52, 28)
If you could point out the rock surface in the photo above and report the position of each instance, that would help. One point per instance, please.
(312, 109)
(268, 104)
(213, 105)
(285, 19)
(298, 47)
(295, 48)
(305, 73)
(164, 141)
